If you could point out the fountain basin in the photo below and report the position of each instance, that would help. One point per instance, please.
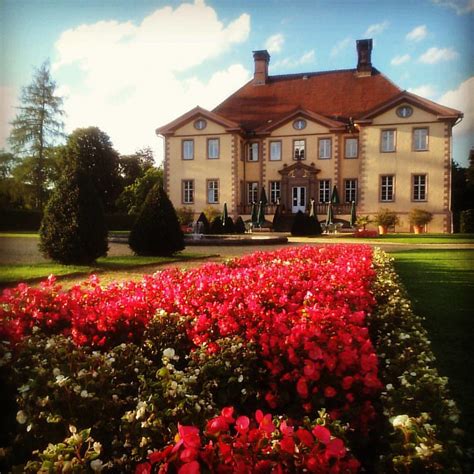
(203, 240)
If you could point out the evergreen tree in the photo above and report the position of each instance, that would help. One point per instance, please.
(156, 230)
(239, 225)
(37, 126)
(205, 223)
(73, 229)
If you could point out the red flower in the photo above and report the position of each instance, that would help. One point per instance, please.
(216, 425)
(322, 434)
(242, 424)
(336, 448)
(330, 392)
(287, 445)
(190, 468)
(143, 468)
(305, 437)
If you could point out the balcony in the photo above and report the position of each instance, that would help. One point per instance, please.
(338, 209)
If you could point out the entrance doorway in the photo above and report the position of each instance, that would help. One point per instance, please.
(298, 199)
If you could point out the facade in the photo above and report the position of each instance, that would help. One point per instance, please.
(300, 135)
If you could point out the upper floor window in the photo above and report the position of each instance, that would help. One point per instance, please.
(350, 190)
(252, 152)
(387, 141)
(404, 111)
(212, 148)
(252, 192)
(299, 124)
(299, 149)
(200, 124)
(213, 191)
(387, 188)
(324, 190)
(188, 149)
(275, 151)
(420, 139)
(351, 149)
(419, 187)
(325, 145)
(275, 191)
(188, 191)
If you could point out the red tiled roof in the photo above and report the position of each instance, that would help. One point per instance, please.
(335, 94)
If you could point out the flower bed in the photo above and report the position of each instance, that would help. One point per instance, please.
(263, 364)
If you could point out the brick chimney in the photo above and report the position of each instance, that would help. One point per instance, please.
(364, 60)
(261, 59)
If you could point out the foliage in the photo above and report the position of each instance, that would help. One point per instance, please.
(386, 218)
(185, 215)
(420, 217)
(239, 225)
(363, 221)
(156, 230)
(90, 151)
(133, 167)
(366, 234)
(133, 196)
(205, 223)
(304, 225)
(211, 212)
(467, 221)
(37, 126)
(216, 226)
(73, 228)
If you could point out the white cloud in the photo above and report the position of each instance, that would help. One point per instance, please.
(376, 29)
(8, 102)
(274, 43)
(291, 63)
(426, 90)
(139, 76)
(417, 34)
(400, 59)
(435, 55)
(459, 6)
(341, 46)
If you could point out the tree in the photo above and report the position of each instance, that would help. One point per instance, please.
(90, 149)
(37, 126)
(133, 167)
(73, 229)
(156, 230)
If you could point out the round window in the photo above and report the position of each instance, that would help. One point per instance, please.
(299, 124)
(404, 111)
(200, 124)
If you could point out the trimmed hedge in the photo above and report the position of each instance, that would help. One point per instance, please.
(467, 221)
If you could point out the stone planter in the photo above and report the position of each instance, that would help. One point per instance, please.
(383, 229)
(418, 229)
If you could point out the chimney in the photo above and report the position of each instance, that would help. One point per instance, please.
(261, 60)
(364, 53)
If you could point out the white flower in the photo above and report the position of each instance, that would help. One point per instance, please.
(400, 421)
(97, 465)
(21, 417)
(169, 353)
(389, 387)
(56, 372)
(61, 380)
(84, 394)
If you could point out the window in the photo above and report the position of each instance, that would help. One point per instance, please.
(275, 151)
(298, 149)
(212, 148)
(325, 148)
(252, 152)
(324, 190)
(188, 191)
(419, 187)
(350, 190)
(420, 139)
(387, 141)
(252, 192)
(299, 124)
(188, 149)
(404, 111)
(200, 124)
(212, 191)
(275, 191)
(387, 188)
(351, 148)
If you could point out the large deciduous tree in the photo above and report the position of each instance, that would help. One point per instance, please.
(37, 126)
(90, 150)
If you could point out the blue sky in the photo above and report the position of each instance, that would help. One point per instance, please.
(130, 66)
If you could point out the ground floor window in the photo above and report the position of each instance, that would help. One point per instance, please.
(324, 190)
(350, 190)
(188, 191)
(275, 191)
(419, 187)
(387, 188)
(212, 191)
(252, 192)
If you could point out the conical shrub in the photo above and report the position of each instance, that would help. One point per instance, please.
(156, 231)
(73, 229)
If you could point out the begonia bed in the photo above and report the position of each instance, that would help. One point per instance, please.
(273, 362)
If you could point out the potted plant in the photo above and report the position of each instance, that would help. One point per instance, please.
(386, 218)
(363, 221)
(419, 218)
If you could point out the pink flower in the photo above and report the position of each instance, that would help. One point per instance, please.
(242, 424)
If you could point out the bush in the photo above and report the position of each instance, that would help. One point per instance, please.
(386, 218)
(216, 226)
(239, 226)
(20, 220)
(156, 230)
(304, 225)
(73, 229)
(211, 213)
(185, 215)
(419, 217)
(467, 221)
(205, 223)
(229, 226)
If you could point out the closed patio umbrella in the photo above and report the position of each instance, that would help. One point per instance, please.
(335, 195)
(329, 216)
(225, 215)
(312, 212)
(353, 214)
(254, 214)
(261, 214)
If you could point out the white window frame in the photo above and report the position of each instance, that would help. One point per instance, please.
(252, 192)
(350, 190)
(325, 148)
(185, 149)
(421, 140)
(252, 153)
(351, 147)
(275, 153)
(299, 149)
(188, 191)
(213, 148)
(324, 190)
(274, 191)
(388, 140)
(213, 191)
(387, 188)
(419, 189)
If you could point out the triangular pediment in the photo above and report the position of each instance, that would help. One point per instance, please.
(299, 170)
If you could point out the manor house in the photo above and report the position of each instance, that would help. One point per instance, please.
(300, 135)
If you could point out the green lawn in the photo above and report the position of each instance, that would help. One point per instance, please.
(441, 286)
(406, 238)
(23, 272)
